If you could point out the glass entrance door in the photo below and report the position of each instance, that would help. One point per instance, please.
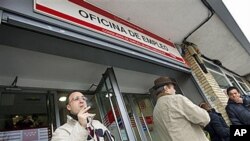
(140, 109)
(112, 109)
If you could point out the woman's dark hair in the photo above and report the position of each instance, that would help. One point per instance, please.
(232, 88)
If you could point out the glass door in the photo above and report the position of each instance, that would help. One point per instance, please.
(112, 108)
(140, 108)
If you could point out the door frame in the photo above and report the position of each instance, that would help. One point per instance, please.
(109, 74)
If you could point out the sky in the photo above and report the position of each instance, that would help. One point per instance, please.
(240, 10)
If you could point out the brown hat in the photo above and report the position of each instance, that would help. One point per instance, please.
(202, 104)
(161, 81)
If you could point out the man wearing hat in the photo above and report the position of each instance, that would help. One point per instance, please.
(176, 118)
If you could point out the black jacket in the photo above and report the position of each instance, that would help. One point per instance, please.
(217, 127)
(239, 114)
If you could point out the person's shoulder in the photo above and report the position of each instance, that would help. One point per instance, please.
(181, 97)
(65, 126)
(231, 107)
(228, 107)
(98, 124)
(213, 114)
(178, 96)
(231, 104)
(245, 96)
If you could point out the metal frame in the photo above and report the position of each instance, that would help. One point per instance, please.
(112, 105)
(120, 102)
(237, 83)
(226, 74)
(58, 123)
(49, 108)
(1, 15)
(222, 74)
(137, 119)
(110, 76)
(242, 82)
(98, 101)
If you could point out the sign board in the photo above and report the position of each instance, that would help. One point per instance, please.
(86, 15)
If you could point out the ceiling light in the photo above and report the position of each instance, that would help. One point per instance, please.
(62, 98)
(110, 94)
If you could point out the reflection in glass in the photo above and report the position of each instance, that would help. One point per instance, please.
(24, 112)
(143, 107)
(110, 113)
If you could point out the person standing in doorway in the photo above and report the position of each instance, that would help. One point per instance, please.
(238, 107)
(80, 125)
(217, 128)
(175, 117)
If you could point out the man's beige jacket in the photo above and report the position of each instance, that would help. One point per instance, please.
(176, 118)
(73, 131)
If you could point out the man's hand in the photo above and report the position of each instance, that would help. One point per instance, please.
(239, 100)
(83, 115)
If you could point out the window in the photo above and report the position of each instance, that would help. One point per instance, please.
(242, 84)
(234, 83)
(24, 113)
(218, 75)
(212, 67)
(221, 80)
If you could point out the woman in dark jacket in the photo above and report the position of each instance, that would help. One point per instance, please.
(217, 127)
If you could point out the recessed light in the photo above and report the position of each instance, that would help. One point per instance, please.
(110, 94)
(63, 98)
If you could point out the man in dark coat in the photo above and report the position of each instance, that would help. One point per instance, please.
(217, 127)
(237, 108)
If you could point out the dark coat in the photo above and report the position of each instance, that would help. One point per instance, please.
(239, 114)
(217, 127)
